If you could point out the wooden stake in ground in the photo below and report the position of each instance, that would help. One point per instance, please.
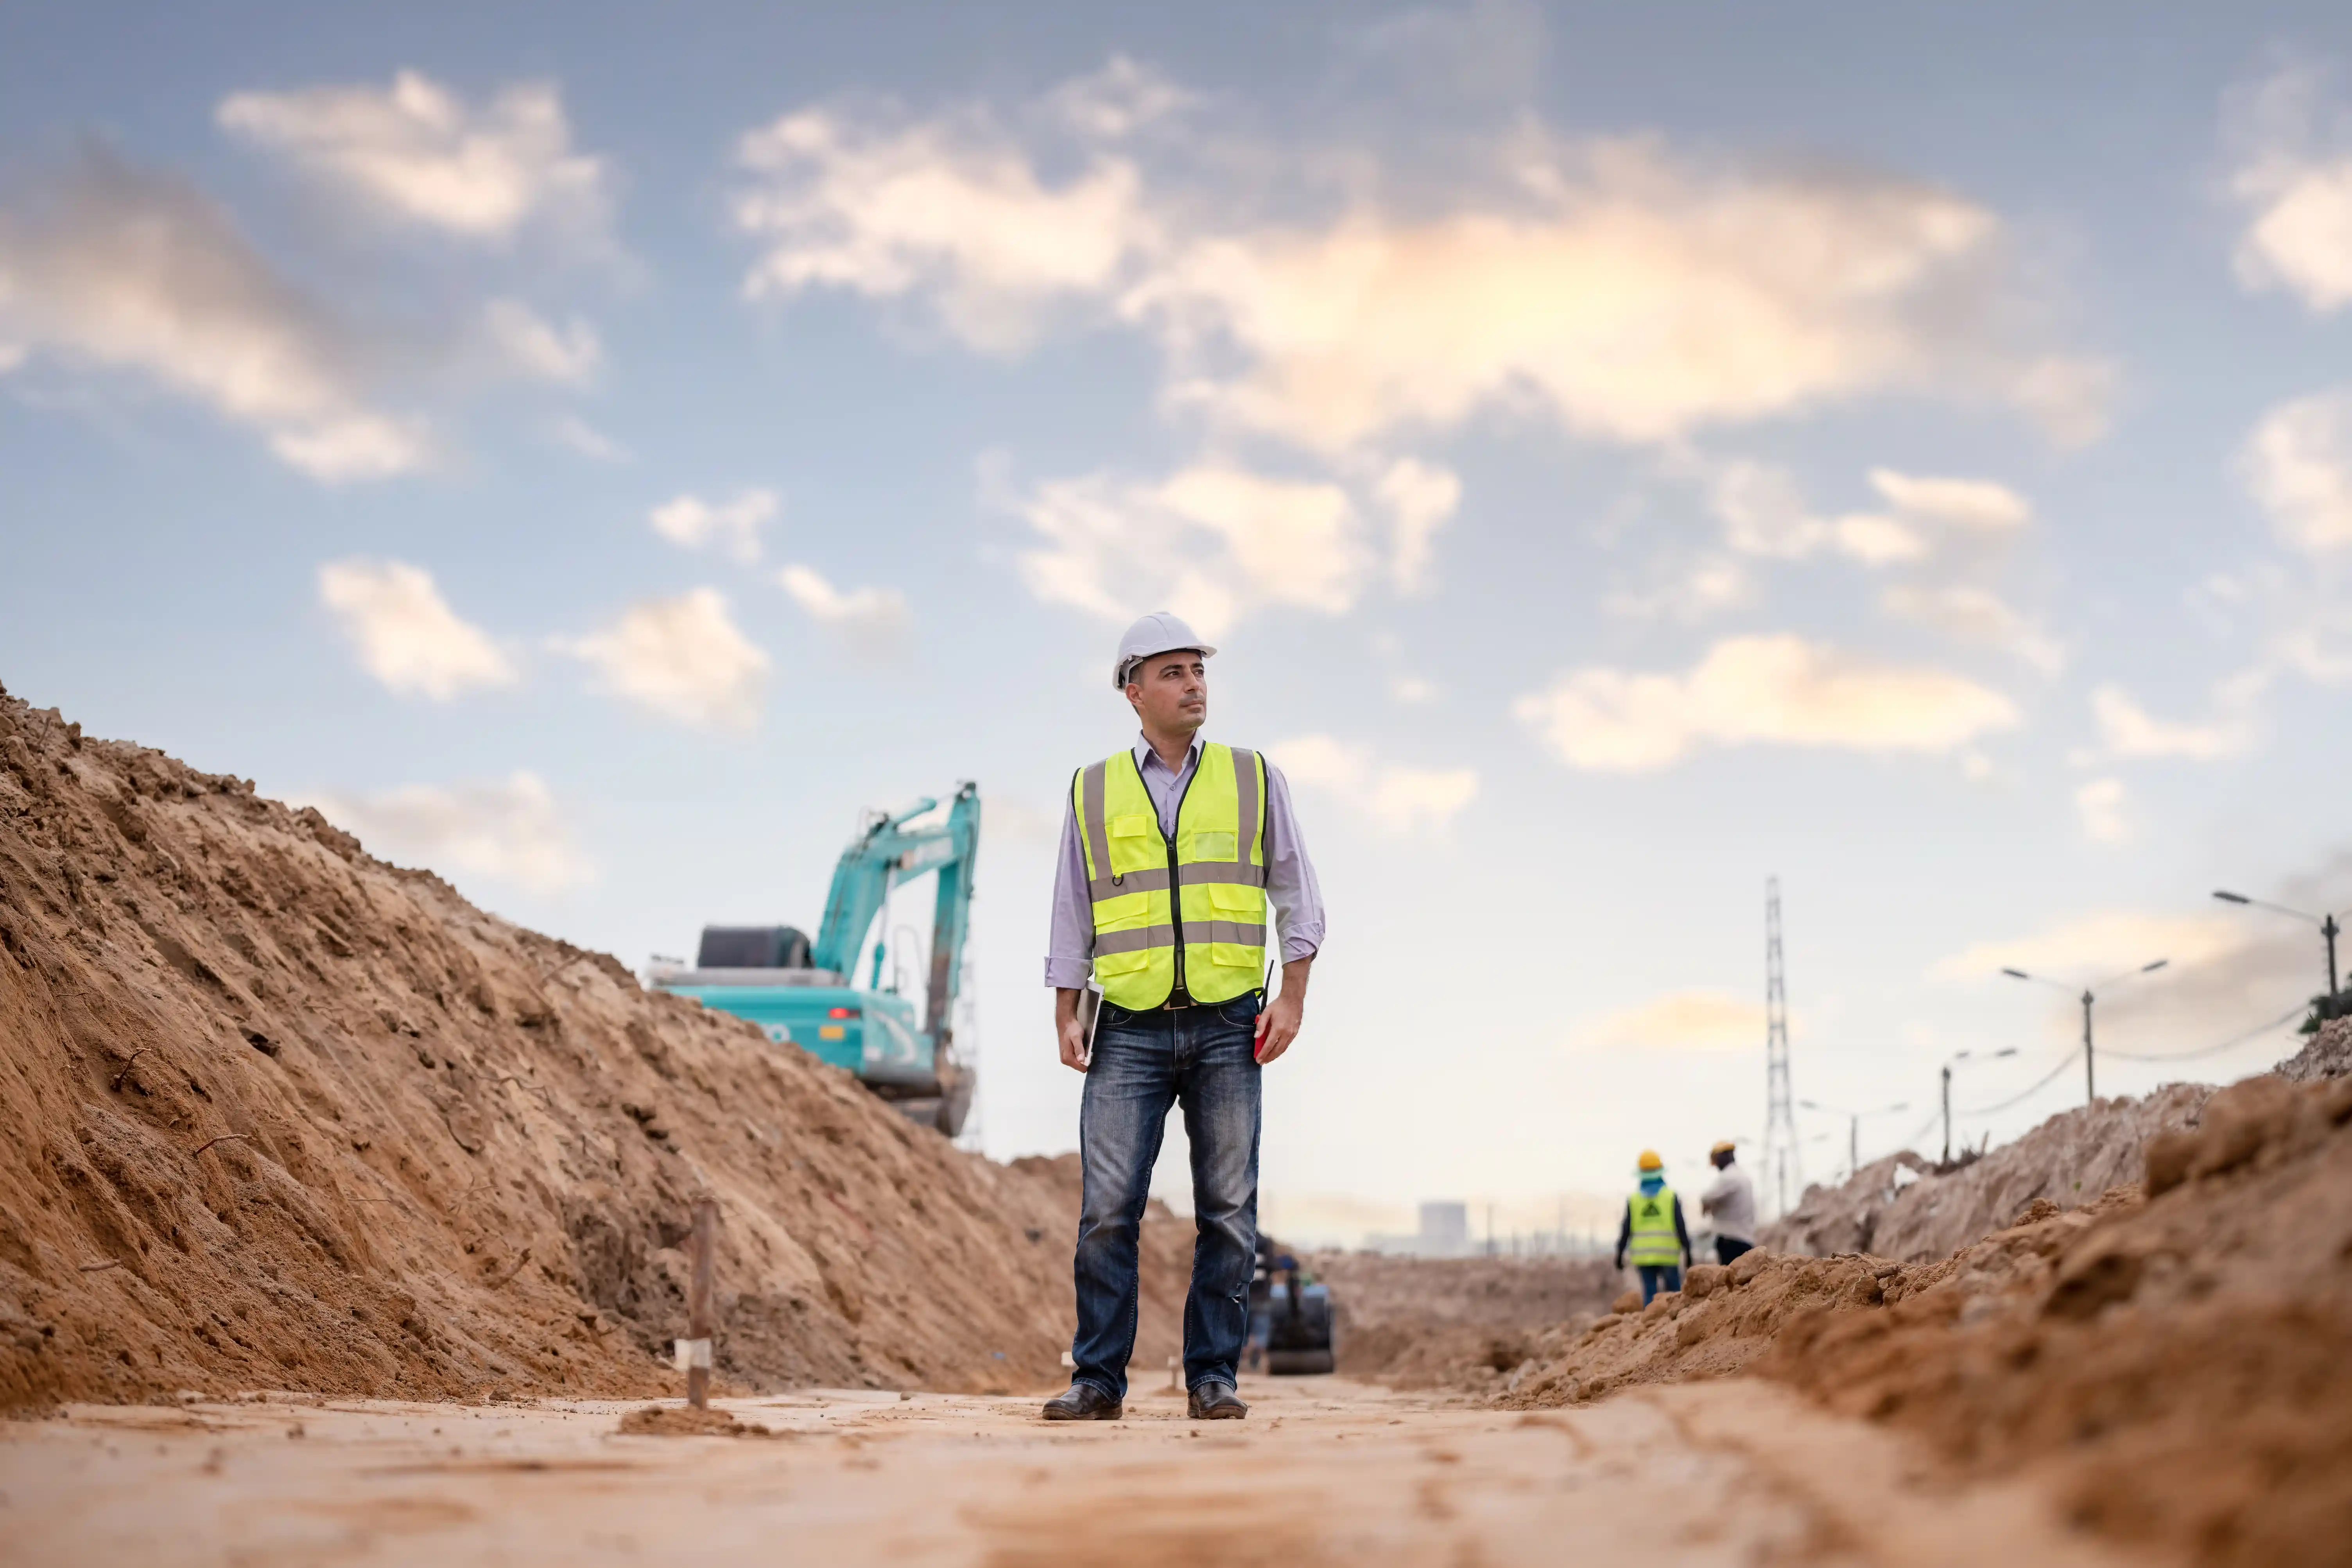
(699, 1314)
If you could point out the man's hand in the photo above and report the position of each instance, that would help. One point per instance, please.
(1070, 1029)
(1278, 1025)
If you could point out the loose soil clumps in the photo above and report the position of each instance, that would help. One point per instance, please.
(685, 1421)
(1903, 1208)
(277, 1114)
(2177, 1357)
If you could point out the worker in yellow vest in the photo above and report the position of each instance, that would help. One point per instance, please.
(1175, 854)
(1652, 1232)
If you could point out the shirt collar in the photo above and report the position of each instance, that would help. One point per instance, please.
(1144, 753)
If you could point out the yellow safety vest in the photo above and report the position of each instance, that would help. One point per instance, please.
(1216, 865)
(1652, 1239)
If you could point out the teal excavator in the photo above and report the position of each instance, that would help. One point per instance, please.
(804, 994)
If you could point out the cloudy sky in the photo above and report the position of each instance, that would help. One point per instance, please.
(1622, 454)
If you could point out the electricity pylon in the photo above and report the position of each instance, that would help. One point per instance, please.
(1780, 1160)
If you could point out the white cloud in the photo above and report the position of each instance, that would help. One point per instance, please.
(2101, 804)
(732, 525)
(1685, 592)
(1679, 1021)
(1398, 798)
(2126, 729)
(1211, 542)
(2298, 464)
(680, 657)
(2095, 945)
(954, 209)
(2071, 397)
(1118, 100)
(510, 831)
(576, 433)
(12, 354)
(1628, 294)
(1774, 690)
(1613, 286)
(2294, 178)
(2228, 970)
(872, 620)
(416, 152)
(1420, 498)
(406, 634)
(523, 342)
(129, 271)
(1764, 513)
(1413, 688)
(1977, 616)
(1964, 503)
(1423, 59)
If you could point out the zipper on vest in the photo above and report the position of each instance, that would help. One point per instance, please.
(1175, 889)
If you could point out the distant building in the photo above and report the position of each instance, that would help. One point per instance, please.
(1444, 1233)
(1446, 1228)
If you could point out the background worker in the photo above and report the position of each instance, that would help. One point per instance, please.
(1652, 1232)
(1731, 1202)
(1174, 852)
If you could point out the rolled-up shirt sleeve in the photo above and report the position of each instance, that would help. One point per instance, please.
(1290, 881)
(1070, 946)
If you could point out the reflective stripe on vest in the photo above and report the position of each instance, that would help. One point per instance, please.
(1220, 863)
(1653, 1240)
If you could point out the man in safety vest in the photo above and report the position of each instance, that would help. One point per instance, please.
(1172, 850)
(1652, 1232)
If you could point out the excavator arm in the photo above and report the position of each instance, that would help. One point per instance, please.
(889, 852)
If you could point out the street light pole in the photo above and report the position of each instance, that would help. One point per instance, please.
(2090, 1077)
(1853, 1128)
(1947, 1115)
(2328, 928)
(1959, 1056)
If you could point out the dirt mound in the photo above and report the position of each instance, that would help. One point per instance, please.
(2181, 1363)
(1900, 1207)
(282, 1115)
(685, 1421)
(2328, 1055)
(1425, 1323)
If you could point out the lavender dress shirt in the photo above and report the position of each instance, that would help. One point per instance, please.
(1290, 883)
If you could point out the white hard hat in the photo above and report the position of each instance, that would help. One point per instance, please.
(1158, 632)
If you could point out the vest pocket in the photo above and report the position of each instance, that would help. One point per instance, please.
(1124, 914)
(1208, 843)
(1110, 965)
(1233, 900)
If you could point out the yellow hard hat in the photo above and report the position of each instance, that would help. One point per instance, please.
(1650, 1161)
(1724, 1147)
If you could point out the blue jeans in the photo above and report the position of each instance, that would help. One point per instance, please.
(1203, 1058)
(1657, 1277)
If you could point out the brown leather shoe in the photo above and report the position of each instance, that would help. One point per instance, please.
(1217, 1402)
(1083, 1402)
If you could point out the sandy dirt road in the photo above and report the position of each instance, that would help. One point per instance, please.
(1325, 1472)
